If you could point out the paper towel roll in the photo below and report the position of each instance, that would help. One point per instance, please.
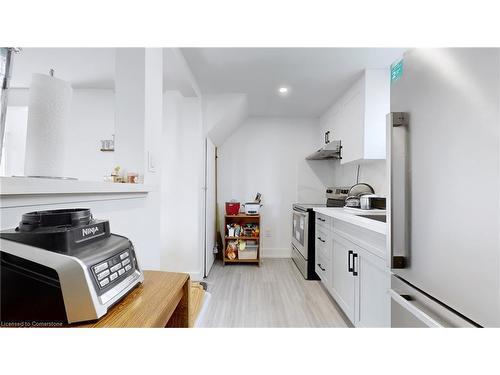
(48, 118)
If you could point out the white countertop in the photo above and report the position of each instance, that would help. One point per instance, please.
(351, 215)
(30, 186)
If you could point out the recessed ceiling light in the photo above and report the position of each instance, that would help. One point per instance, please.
(283, 90)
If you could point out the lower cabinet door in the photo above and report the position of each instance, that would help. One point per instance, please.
(373, 302)
(343, 281)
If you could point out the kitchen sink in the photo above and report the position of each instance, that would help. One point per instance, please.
(381, 218)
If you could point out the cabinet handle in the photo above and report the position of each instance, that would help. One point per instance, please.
(322, 269)
(354, 271)
(319, 238)
(320, 219)
(349, 268)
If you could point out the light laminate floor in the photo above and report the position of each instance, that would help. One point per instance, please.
(272, 295)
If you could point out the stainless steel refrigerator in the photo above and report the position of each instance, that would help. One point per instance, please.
(443, 165)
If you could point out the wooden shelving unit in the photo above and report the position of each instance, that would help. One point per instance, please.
(241, 219)
(241, 238)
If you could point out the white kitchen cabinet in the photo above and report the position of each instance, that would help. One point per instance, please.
(333, 116)
(351, 263)
(351, 129)
(323, 243)
(357, 119)
(323, 270)
(360, 283)
(343, 283)
(371, 291)
(323, 249)
(323, 221)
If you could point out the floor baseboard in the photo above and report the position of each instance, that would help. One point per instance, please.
(276, 253)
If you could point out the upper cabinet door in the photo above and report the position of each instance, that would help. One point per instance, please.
(357, 119)
(331, 122)
(351, 131)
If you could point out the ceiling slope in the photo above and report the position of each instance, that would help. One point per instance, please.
(223, 114)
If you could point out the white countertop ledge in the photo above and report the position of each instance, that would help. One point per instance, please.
(35, 186)
(352, 217)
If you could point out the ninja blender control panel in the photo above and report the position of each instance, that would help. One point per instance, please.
(111, 269)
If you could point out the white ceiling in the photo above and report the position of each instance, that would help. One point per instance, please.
(93, 68)
(316, 76)
(82, 67)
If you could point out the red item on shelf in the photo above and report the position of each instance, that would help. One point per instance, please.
(232, 208)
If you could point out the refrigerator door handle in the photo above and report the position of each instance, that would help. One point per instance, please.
(413, 310)
(398, 218)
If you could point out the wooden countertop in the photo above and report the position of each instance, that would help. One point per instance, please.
(161, 301)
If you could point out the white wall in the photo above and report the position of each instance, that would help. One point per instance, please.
(267, 155)
(92, 119)
(373, 172)
(152, 117)
(129, 217)
(223, 114)
(182, 230)
(129, 109)
(14, 142)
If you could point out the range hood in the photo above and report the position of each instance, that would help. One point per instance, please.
(329, 151)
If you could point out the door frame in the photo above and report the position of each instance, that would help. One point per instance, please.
(208, 253)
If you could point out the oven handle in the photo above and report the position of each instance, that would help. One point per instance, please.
(301, 213)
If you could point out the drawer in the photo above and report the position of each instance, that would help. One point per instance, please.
(323, 221)
(322, 268)
(369, 240)
(323, 243)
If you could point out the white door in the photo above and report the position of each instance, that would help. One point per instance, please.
(210, 204)
(342, 285)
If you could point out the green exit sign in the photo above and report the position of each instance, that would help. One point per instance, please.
(396, 70)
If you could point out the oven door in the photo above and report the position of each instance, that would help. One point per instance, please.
(300, 262)
(300, 231)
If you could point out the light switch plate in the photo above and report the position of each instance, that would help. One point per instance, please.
(151, 162)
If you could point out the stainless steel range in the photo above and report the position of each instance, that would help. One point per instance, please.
(303, 239)
(303, 229)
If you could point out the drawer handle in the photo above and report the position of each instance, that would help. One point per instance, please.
(322, 269)
(349, 267)
(322, 240)
(413, 310)
(354, 270)
(320, 219)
